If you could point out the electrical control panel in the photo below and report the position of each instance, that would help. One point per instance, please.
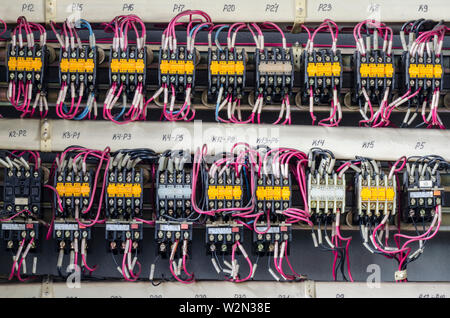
(166, 145)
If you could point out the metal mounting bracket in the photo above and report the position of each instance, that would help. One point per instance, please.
(46, 144)
(299, 14)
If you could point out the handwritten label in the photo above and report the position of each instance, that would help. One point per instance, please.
(17, 133)
(71, 135)
(172, 137)
(318, 142)
(324, 7)
(272, 7)
(27, 7)
(121, 136)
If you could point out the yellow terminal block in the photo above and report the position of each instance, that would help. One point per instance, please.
(276, 192)
(261, 193)
(336, 69)
(388, 70)
(127, 66)
(85, 189)
(136, 190)
(376, 70)
(61, 189)
(285, 193)
(273, 193)
(365, 194)
(377, 194)
(437, 71)
(373, 194)
(237, 192)
(228, 192)
(126, 188)
(224, 192)
(364, 70)
(220, 192)
(381, 194)
(176, 67)
(324, 69)
(390, 194)
(77, 65)
(227, 68)
(76, 189)
(212, 192)
(111, 190)
(25, 64)
(73, 189)
(425, 71)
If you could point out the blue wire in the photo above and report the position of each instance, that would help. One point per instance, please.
(84, 113)
(88, 26)
(197, 26)
(81, 116)
(217, 36)
(246, 182)
(217, 108)
(120, 114)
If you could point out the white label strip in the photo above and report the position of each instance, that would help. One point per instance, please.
(20, 201)
(24, 134)
(33, 10)
(169, 227)
(66, 226)
(163, 11)
(425, 183)
(381, 10)
(345, 142)
(421, 194)
(117, 227)
(228, 10)
(13, 226)
(328, 193)
(219, 230)
(272, 229)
